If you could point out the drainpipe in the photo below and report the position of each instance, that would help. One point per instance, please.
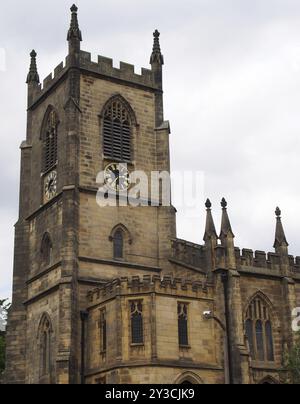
(83, 316)
(224, 277)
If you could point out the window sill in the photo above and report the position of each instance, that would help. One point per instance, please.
(264, 365)
(185, 347)
(137, 345)
(109, 159)
(46, 172)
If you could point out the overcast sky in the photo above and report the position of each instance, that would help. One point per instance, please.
(232, 95)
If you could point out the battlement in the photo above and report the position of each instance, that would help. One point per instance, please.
(103, 67)
(189, 253)
(148, 284)
(195, 255)
(50, 81)
(57, 74)
(126, 71)
(262, 259)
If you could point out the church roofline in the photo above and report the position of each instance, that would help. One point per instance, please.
(103, 69)
(246, 259)
(149, 284)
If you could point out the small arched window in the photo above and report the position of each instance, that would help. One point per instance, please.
(118, 242)
(137, 327)
(183, 324)
(45, 331)
(46, 250)
(117, 130)
(49, 137)
(258, 329)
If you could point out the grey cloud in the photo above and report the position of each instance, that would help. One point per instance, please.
(232, 94)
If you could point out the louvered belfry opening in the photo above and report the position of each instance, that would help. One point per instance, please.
(117, 132)
(50, 142)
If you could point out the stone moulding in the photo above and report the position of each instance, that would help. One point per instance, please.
(149, 284)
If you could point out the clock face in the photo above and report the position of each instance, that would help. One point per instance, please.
(51, 185)
(117, 177)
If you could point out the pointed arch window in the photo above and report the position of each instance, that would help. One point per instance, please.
(183, 337)
(49, 137)
(121, 240)
(46, 250)
(117, 131)
(137, 327)
(258, 329)
(118, 242)
(45, 331)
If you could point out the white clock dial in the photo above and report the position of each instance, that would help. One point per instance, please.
(51, 185)
(117, 177)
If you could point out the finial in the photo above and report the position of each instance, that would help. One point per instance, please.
(33, 76)
(224, 203)
(74, 8)
(280, 243)
(208, 204)
(210, 229)
(74, 31)
(156, 53)
(225, 225)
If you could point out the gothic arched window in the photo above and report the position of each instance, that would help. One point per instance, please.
(121, 240)
(46, 250)
(118, 242)
(258, 328)
(183, 337)
(137, 327)
(117, 130)
(49, 137)
(45, 331)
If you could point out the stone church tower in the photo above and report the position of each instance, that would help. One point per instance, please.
(110, 295)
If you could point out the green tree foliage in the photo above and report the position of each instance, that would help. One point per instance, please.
(4, 307)
(292, 363)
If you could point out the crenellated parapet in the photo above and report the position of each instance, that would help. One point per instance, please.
(189, 253)
(125, 72)
(260, 259)
(149, 284)
(51, 79)
(103, 68)
(48, 83)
